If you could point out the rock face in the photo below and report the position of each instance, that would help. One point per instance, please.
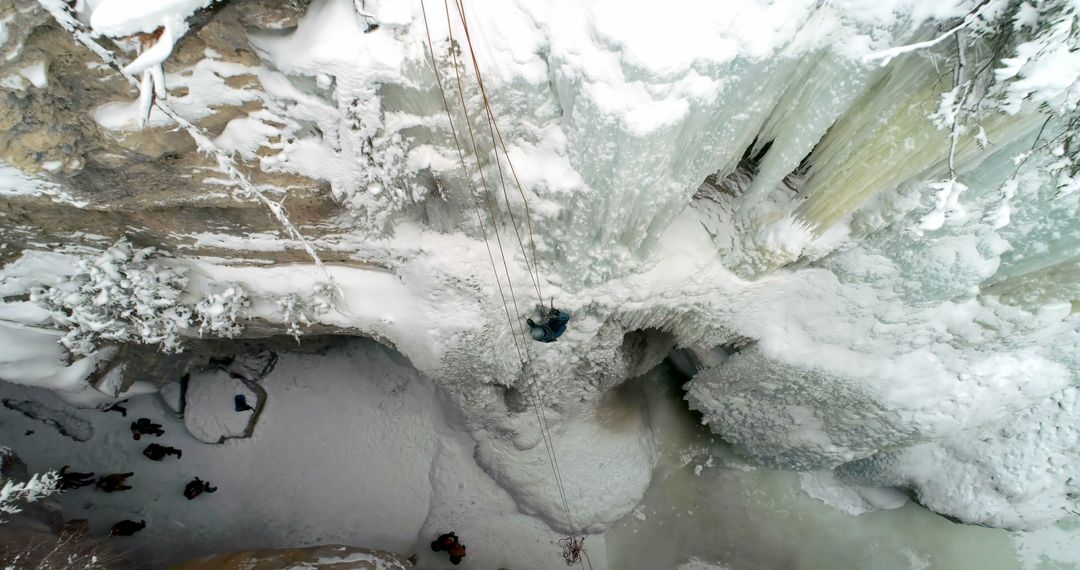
(149, 184)
(328, 557)
(225, 403)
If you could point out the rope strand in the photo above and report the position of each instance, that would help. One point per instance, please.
(534, 271)
(573, 546)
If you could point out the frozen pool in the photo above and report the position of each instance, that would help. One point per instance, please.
(706, 509)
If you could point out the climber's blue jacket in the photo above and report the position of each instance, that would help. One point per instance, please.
(552, 327)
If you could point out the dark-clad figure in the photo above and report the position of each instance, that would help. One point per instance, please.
(241, 405)
(158, 452)
(114, 482)
(117, 408)
(457, 552)
(196, 487)
(449, 542)
(127, 528)
(73, 479)
(143, 426)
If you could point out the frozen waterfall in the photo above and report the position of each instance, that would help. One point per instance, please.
(852, 223)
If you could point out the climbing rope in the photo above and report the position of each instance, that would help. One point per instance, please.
(496, 134)
(513, 296)
(572, 545)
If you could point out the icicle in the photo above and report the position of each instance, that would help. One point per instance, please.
(146, 98)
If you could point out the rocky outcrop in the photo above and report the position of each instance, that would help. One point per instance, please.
(151, 184)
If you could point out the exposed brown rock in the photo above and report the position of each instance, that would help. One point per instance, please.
(151, 184)
(328, 557)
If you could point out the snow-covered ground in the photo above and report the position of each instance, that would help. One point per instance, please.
(355, 447)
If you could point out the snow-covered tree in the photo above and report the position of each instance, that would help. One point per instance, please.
(218, 312)
(1014, 54)
(298, 313)
(14, 494)
(1008, 56)
(122, 295)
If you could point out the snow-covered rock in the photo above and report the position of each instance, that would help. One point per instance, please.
(1019, 473)
(210, 412)
(602, 482)
(850, 499)
(172, 394)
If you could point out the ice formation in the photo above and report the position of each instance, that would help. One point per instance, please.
(858, 281)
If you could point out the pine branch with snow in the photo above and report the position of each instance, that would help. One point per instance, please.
(219, 312)
(299, 313)
(14, 494)
(1010, 56)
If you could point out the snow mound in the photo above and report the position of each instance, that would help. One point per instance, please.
(172, 395)
(1018, 474)
(605, 462)
(126, 17)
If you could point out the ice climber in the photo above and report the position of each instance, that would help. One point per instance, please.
(196, 487)
(552, 328)
(143, 426)
(114, 482)
(127, 528)
(449, 542)
(158, 452)
(73, 479)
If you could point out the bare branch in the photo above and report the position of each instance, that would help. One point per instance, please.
(885, 56)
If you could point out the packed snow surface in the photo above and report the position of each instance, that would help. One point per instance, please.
(354, 447)
(395, 468)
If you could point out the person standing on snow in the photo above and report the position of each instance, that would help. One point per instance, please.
(114, 482)
(143, 426)
(73, 479)
(449, 542)
(158, 452)
(240, 404)
(196, 487)
(127, 528)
